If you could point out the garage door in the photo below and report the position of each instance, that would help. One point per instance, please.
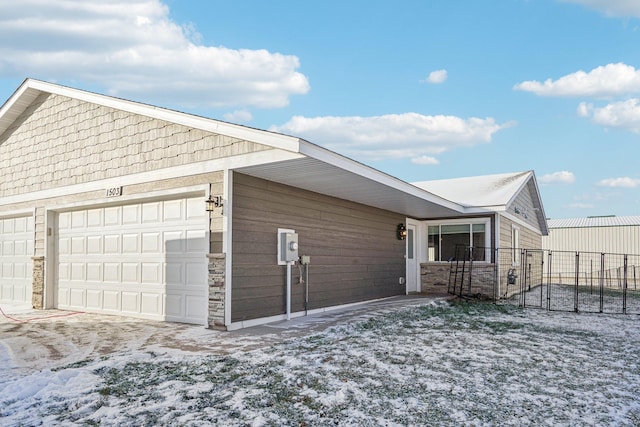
(144, 260)
(16, 265)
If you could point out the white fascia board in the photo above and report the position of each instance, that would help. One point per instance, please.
(520, 188)
(345, 163)
(259, 136)
(537, 202)
(233, 162)
(484, 209)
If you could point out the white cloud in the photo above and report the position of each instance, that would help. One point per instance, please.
(624, 182)
(581, 205)
(604, 81)
(612, 7)
(425, 160)
(623, 114)
(584, 109)
(238, 116)
(408, 135)
(436, 77)
(133, 49)
(562, 177)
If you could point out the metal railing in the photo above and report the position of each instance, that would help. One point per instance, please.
(552, 280)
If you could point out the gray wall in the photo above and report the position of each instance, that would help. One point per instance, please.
(355, 254)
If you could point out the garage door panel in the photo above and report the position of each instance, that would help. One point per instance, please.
(173, 273)
(20, 270)
(94, 217)
(94, 272)
(174, 306)
(195, 274)
(151, 212)
(78, 245)
(76, 298)
(78, 272)
(130, 302)
(112, 272)
(151, 303)
(152, 273)
(111, 300)
(130, 214)
(94, 299)
(151, 243)
(131, 243)
(16, 265)
(111, 244)
(130, 272)
(173, 210)
(195, 309)
(8, 248)
(140, 260)
(112, 216)
(94, 245)
(196, 241)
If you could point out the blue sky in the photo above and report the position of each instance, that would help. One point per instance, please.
(418, 89)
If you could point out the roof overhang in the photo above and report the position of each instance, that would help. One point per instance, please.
(329, 179)
(313, 168)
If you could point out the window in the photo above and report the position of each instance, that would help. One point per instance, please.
(515, 244)
(447, 237)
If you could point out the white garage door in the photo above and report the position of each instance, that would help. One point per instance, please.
(16, 265)
(144, 260)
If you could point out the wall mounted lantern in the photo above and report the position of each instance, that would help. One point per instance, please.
(213, 202)
(401, 231)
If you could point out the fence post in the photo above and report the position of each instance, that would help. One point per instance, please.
(602, 260)
(496, 276)
(624, 287)
(523, 280)
(591, 281)
(577, 279)
(549, 282)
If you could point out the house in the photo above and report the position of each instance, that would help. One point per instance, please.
(503, 215)
(112, 206)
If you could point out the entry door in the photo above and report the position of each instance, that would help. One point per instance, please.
(412, 259)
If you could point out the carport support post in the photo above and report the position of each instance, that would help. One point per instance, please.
(37, 284)
(217, 291)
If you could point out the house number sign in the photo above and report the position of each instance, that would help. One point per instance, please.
(114, 192)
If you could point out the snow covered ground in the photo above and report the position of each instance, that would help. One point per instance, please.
(432, 363)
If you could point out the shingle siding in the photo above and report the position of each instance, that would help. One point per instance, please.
(62, 141)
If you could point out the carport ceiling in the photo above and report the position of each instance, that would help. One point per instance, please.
(387, 193)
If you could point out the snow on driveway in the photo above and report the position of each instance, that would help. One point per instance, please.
(423, 363)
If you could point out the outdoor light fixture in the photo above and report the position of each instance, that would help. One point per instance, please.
(213, 202)
(401, 231)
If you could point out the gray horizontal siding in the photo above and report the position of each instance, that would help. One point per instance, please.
(355, 255)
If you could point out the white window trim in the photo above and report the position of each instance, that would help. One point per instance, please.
(487, 231)
(515, 245)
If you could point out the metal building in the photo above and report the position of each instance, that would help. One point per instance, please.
(608, 234)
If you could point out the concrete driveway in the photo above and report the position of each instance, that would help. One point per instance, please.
(34, 340)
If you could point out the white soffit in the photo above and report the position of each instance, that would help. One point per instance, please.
(324, 178)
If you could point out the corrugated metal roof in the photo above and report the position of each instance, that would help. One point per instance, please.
(600, 221)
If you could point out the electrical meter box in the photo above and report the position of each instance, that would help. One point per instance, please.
(289, 247)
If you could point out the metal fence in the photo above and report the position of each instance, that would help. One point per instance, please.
(553, 280)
